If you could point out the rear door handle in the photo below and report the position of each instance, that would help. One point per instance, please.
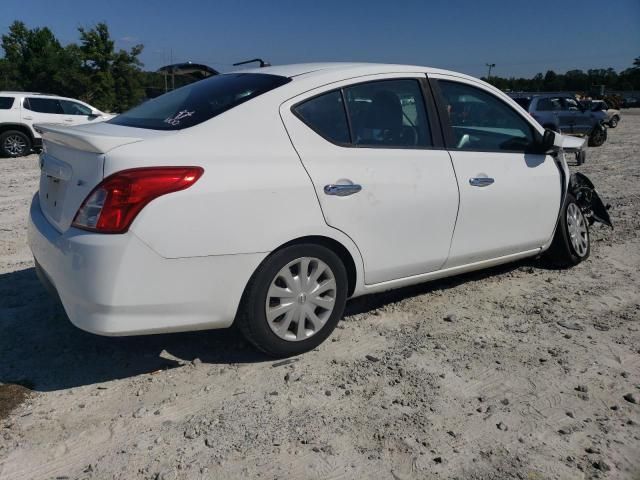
(481, 181)
(342, 190)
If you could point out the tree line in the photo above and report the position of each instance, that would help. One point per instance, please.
(573, 80)
(111, 79)
(91, 70)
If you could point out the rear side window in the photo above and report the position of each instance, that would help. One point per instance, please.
(384, 114)
(199, 101)
(388, 113)
(325, 115)
(548, 104)
(43, 105)
(6, 103)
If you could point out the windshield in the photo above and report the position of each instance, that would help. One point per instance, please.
(199, 101)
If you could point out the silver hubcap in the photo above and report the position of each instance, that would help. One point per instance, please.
(14, 145)
(300, 299)
(578, 231)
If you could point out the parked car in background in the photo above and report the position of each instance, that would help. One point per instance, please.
(613, 115)
(563, 113)
(267, 197)
(19, 111)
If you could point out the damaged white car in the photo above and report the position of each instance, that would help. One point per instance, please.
(269, 197)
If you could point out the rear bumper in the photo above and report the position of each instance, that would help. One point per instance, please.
(117, 285)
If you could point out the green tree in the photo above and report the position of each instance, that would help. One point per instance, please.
(115, 79)
(34, 60)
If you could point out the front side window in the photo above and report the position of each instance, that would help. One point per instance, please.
(6, 103)
(74, 108)
(326, 116)
(199, 101)
(43, 105)
(388, 113)
(482, 122)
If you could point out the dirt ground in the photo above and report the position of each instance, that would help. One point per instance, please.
(516, 372)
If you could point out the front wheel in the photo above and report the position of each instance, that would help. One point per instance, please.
(294, 300)
(571, 243)
(613, 123)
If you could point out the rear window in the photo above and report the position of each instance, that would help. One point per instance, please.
(6, 103)
(523, 102)
(199, 101)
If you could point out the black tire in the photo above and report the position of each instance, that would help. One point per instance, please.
(252, 316)
(613, 123)
(597, 137)
(14, 143)
(562, 253)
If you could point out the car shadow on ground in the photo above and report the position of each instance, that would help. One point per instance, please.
(42, 350)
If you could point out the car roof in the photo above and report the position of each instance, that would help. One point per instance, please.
(31, 93)
(309, 70)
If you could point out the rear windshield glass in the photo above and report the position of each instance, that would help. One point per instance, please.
(6, 103)
(199, 101)
(523, 102)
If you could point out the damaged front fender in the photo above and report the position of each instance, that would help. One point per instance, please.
(588, 199)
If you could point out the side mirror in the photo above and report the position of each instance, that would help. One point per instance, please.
(95, 113)
(547, 141)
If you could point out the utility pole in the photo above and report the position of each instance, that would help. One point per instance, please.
(490, 65)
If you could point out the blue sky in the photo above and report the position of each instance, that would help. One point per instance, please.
(520, 37)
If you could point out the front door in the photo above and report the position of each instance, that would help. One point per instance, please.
(380, 176)
(509, 199)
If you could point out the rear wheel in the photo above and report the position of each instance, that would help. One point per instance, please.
(14, 143)
(294, 300)
(598, 136)
(613, 123)
(571, 242)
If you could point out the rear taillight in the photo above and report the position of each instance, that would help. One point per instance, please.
(115, 202)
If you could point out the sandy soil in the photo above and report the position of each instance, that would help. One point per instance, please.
(468, 378)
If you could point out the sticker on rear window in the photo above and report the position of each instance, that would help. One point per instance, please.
(178, 117)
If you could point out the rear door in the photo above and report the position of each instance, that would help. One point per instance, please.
(44, 110)
(509, 199)
(375, 155)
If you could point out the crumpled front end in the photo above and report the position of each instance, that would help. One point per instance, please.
(588, 199)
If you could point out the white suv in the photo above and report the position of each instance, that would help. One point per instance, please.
(19, 111)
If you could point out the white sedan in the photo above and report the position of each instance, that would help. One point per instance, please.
(268, 197)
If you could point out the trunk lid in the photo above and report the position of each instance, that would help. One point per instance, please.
(72, 164)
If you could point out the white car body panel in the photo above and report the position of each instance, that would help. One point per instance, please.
(409, 197)
(187, 257)
(516, 213)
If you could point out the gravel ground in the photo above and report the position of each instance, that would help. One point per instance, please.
(516, 372)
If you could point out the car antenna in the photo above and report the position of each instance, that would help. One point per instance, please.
(261, 61)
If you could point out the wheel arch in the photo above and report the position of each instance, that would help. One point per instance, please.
(336, 247)
(21, 127)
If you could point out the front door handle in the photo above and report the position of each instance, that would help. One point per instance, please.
(342, 190)
(481, 181)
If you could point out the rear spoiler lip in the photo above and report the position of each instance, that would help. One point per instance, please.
(80, 139)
